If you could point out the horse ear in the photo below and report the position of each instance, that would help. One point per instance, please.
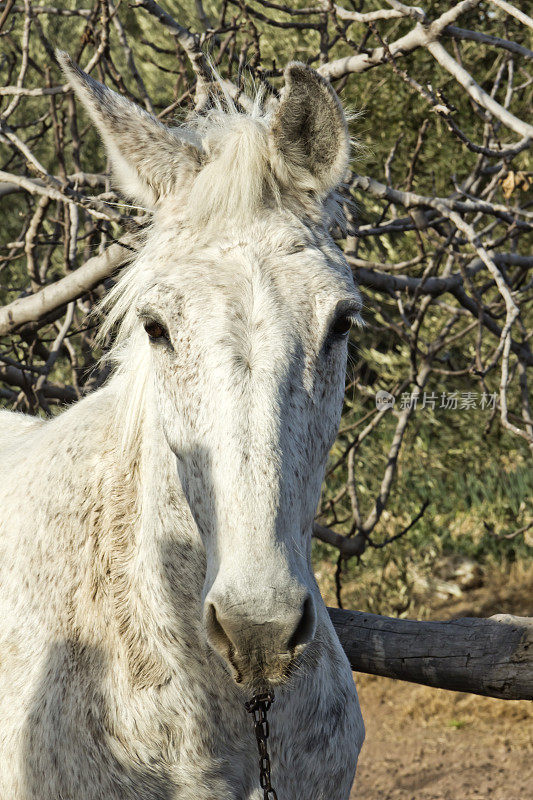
(309, 134)
(146, 156)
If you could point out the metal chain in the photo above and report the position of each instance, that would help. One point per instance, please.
(258, 707)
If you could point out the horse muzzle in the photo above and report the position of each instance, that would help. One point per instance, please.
(259, 640)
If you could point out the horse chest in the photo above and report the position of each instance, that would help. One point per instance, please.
(206, 749)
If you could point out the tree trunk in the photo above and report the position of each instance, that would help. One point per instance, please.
(492, 656)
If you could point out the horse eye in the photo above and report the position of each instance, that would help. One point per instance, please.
(341, 326)
(155, 330)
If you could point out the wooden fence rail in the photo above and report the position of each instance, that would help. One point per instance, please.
(491, 656)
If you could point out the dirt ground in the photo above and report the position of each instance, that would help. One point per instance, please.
(429, 744)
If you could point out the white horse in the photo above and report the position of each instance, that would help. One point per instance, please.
(155, 537)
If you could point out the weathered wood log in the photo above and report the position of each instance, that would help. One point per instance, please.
(492, 657)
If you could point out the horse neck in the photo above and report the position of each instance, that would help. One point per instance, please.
(153, 556)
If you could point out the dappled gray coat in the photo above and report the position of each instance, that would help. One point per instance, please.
(155, 537)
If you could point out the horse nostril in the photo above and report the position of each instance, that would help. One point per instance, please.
(305, 629)
(216, 632)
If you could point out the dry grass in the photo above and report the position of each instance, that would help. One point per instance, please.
(510, 723)
(506, 588)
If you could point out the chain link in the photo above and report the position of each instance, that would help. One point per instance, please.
(258, 707)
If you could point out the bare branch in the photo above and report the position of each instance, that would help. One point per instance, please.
(419, 36)
(475, 91)
(513, 12)
(56, 295)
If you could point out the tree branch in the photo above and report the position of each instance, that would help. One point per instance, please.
(63, 291)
